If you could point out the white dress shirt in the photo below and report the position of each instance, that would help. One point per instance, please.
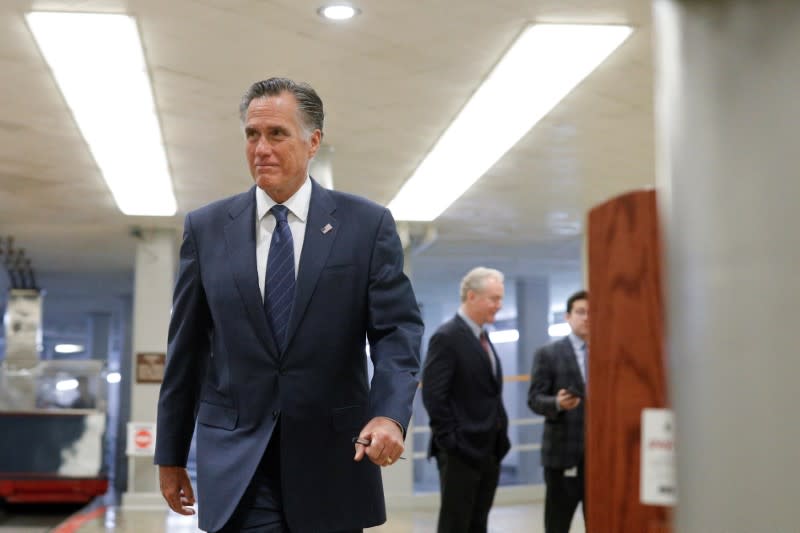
(579, 347)
(298, 205)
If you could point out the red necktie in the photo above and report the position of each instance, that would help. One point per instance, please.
(488, 349)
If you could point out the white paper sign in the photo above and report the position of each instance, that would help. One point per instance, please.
(657, 481)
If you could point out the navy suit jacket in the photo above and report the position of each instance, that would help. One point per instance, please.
(464, 399)
(554, 368)
(225, 371)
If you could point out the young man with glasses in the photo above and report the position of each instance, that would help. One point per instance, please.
(558, 392)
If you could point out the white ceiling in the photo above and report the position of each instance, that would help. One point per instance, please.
(391, 81)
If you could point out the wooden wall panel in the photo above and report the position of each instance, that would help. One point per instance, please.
(626, 360)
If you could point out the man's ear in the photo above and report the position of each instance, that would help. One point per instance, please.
(314, 141)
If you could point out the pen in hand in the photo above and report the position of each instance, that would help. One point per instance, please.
(367, 442)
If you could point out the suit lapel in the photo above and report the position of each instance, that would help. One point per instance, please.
(478, 347)
(572, 361)
(498, 375)
(321, 230)
(240, 239)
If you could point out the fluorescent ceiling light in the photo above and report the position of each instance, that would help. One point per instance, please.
(561, 329)
(114, 377)
(67, 384)
(504, 335)
(69, 348)
(98, 64)
(542, 66)
(338, 12)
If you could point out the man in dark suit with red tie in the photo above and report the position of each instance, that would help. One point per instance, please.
(462, 389)
(277, 290)
(558, 385)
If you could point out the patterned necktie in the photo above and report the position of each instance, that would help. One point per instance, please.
(488, 349)
(280, 282)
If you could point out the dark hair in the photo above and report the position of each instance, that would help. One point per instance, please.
(580, 295)
(309, 104)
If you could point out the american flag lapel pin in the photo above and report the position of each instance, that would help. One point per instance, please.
(326, 228)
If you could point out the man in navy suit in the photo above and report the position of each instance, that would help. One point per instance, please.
(558, 382)
(277, 290)
(462, 389)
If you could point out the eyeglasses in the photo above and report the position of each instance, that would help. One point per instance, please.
(580, 312)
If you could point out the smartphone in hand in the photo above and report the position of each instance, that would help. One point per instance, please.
(574, 391)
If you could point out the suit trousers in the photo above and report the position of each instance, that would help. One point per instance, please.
(563, 493)
(261, 508)
(467, 492)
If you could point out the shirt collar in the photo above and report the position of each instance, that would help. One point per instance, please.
(297, 204)
(577, 342)
(476, 329)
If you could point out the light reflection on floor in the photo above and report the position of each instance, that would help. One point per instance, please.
(503, 519)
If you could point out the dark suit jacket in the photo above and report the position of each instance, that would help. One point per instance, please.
(225, 370)
(554, 368)
(463, 398)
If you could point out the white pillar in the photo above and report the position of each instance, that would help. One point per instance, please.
(727, 79)
(156, 262)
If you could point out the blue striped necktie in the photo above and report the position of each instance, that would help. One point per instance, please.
(280, 282)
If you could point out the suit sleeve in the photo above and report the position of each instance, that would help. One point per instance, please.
(394, 328)
(437, 379)
(187, 356)
(540, 394)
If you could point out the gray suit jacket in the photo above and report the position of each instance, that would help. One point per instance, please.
(554, 368)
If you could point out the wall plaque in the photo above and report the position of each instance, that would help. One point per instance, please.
(150, 367)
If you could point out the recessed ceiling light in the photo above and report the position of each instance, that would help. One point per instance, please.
(338, 11)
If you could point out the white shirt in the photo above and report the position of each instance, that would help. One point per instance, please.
(579, 347)
(297, 218)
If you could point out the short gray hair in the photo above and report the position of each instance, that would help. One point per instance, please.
(309, 105)
(475, 280)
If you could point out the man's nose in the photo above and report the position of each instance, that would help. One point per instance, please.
(263, 147)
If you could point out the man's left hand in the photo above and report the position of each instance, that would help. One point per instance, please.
(385, 441)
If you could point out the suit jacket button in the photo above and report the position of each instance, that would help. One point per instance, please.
(281, 372)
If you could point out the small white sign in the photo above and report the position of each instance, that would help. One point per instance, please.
(141, 438)
(657, 481)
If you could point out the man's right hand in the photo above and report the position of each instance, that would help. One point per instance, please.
(176, 489)
(566, 401)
